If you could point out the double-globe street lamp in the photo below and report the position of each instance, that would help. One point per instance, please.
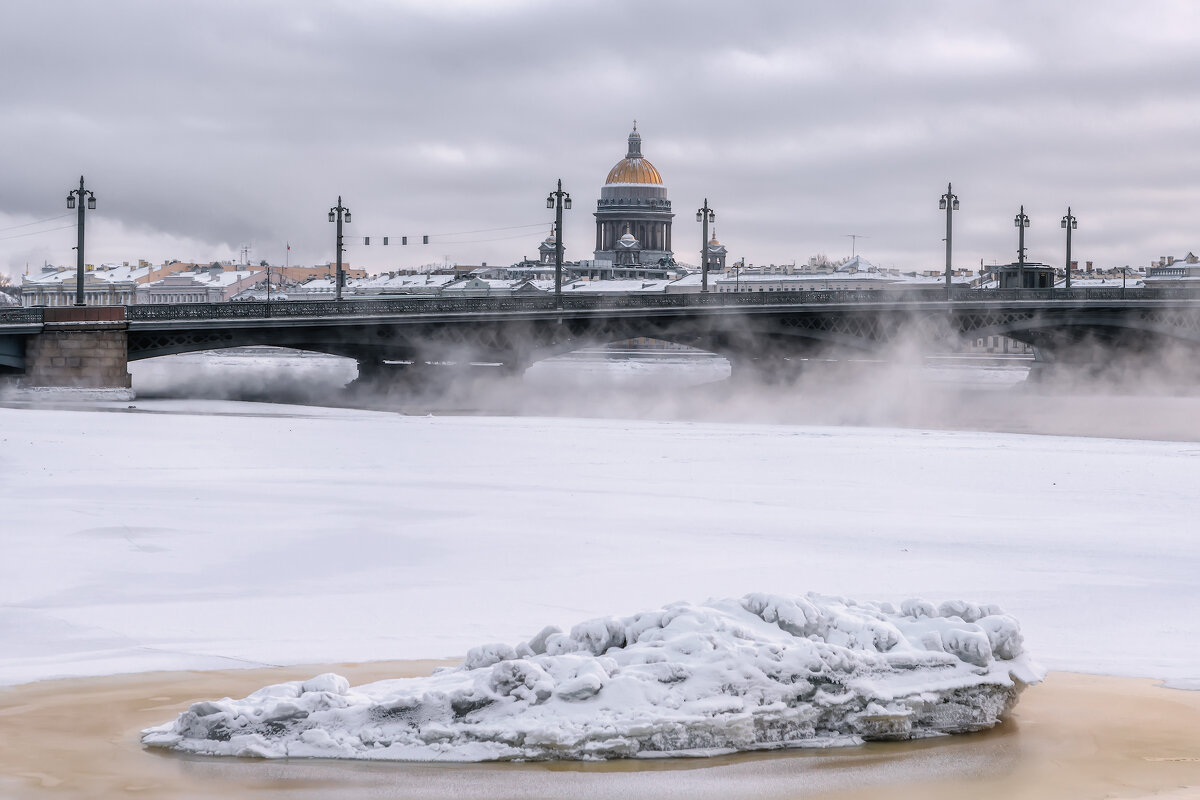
(82, 194)
(339, 214)
(948, 203)
(1022, 222)
(706, 215)
(558, 200)
(1070, 223)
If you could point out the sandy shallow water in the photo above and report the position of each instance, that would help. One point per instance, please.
(1075, 736)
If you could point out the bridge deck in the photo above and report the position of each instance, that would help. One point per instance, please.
(150, 316)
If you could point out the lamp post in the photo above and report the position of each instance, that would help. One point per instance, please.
(339, 214)
(706, 215)
(1070, 223)
(1022, 222)
(949, 203)
(558, 200)
(82, 194)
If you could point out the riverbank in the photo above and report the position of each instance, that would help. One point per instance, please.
(1078, 736)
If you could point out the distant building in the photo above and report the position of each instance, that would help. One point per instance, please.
(817, 275)
(1034, 275)
(1169, 271)
(106, 285)
(633, 202)
(998, 345)
(547, 249)
(715, 255)
(213, 284)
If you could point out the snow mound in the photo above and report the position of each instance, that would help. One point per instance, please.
(761, 672)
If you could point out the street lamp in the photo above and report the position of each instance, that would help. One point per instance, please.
(949, 204)
(1022, 222)
(706, 215)
(81, 193)
(1070, 223)
(558, 200)
(339, 214)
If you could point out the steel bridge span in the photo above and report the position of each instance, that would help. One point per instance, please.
(755, 330)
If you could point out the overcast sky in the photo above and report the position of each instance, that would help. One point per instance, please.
(206, 126)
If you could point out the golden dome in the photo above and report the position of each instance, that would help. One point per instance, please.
(633, 168)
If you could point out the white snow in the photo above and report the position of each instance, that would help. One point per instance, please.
(762, 672)
(200, 534)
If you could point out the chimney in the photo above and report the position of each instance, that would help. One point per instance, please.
(1089, 266)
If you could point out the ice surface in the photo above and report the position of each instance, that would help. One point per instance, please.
(760, 672)
(196, 534)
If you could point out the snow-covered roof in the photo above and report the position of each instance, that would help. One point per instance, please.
(646, 285)
(318, 285)
(260, 295)
(106, 273)
(926, 280)
(208, 278)
(806, 278)
(401, 282)
(858, 264)
(1106, 282)
(475, 282)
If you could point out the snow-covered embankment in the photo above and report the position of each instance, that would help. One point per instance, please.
(761, 672)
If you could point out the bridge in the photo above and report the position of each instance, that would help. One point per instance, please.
(762, 331)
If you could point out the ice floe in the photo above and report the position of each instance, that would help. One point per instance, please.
(759, 672)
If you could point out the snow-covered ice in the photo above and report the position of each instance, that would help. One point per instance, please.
(761, 672)
(205, 535)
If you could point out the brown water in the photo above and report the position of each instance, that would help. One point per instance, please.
(1075, 736)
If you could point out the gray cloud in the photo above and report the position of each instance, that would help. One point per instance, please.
(205, 126)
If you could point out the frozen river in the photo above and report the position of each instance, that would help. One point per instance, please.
(172, 533)
(193, 529)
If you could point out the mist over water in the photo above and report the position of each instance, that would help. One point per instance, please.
(1146, 398)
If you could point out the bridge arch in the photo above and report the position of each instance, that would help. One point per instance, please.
(1060, 331)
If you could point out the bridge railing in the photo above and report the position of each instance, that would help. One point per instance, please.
(21, 316)
(435, 304)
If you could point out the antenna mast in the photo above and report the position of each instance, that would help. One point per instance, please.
(854, 237)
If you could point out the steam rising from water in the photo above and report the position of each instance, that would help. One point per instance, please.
(1151, 397)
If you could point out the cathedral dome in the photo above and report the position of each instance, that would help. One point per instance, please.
(633, 168)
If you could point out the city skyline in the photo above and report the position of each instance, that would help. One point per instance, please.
(205, 129)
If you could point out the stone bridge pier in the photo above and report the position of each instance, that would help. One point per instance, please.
(79, 348)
